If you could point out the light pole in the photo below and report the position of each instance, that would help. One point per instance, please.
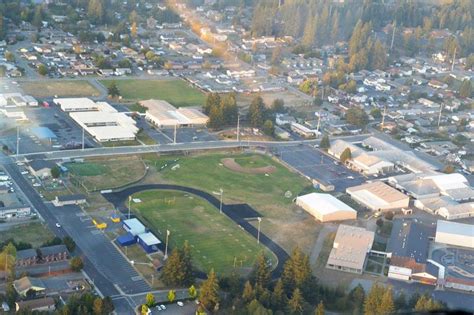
(17, 140)
(166, 245)
(220, 206)
(258, 231)
(129, 201)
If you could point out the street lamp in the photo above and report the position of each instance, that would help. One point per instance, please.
(166, 246)
(129, 201)
(258, 231)
(220, 206)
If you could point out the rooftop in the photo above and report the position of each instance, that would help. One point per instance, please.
(449, 227)
(149, 239)
(377, 193)
(351, 246)
(325, 203)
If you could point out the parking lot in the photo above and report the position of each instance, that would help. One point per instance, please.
(67, 135)
(315, 164)
(97, 247)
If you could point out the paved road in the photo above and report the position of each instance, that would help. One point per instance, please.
(234, 212)
(105, 286)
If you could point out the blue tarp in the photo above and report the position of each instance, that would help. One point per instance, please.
(126, 240)
(43, 133)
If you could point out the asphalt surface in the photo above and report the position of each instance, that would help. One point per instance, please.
(314, 164)
(234, 212)
(104, 284)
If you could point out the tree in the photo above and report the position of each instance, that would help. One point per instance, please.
(42, 69)
(345, 155)
(171, 296)
(268, 128)
(357, 296)
(38, 17)
(228, 106)
(173, 272)
(192, 292)
(187, 259)
(466, 88)
(449, 169)
(357, 116)
(248, 294)
(113, 90)
(133, 29)
(95, 10)
(279, 297)
(216, 119)
(386, 305)
(212, 100)
(426, 304)
(376, 113)
(325, 144)
(150, 300)
(70, 244)
(256, 308)
(76, 264)
(379, 301)
(319, 309)
(55, 172)
(278, 106)
(98, 306)
(144, 310)
(108, 306)
(297, 270)
(209, 293)
(9, 56)
(295, 304)
(256, 112)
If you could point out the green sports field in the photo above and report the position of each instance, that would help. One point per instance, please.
(175, 91)
(216, 241)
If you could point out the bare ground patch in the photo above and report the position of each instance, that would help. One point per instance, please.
(231, 164)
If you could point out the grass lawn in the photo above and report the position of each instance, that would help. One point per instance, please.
(175, 91)
(123, 143)
(217, 242)
(34, 233)
(283, 221)
(97, 174)
(69, 88)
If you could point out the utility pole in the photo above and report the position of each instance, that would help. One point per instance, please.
(258, 231)
(383, 117)
(238, 128)
(220, 206)
(174, 139)
(393, 36)
(319, 123)
(17, 140)
(129, 201)
(439, 116)
(454, 58)
(166, 246)
(83, 144)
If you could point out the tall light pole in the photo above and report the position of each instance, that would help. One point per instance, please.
(129, 201)
(17, 140)
(166, 245)
(220, 206)
(238, 128)
(83, 145)
(174, 136)
(258, 231)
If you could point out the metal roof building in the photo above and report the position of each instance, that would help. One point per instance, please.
(325, 207)
(350, 249)
(163, 114)
(149, 242)
(378, 196)
(134, 227)
(456, 234)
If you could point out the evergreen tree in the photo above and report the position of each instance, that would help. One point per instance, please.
(173, 271)
(95, 10)
(187, 259)
(192, 292)
(256, 308)
(261, 273)
(113, 90)
(212, 100)
(295, 304)
(319, 309)
(345, 155)
(296, 271)
(256, 112)
(229, 109)
(466, 88)
(268, 128)
(357, 296)
(386, 304)
(98, 306)
(325, 144)
(209, 293)
(216, 119)
(373, 301)
(279, 297)
(171, 296)
(248, 294)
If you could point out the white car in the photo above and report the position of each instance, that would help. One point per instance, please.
(58, 225)
(158, 308)
(350, 177)
(163, 307)
(180, 303)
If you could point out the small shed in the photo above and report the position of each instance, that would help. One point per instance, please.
(134, 226)
(149, 242)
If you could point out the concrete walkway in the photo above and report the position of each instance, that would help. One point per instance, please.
(318, 246)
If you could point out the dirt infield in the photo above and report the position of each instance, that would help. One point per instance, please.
(236, 167)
